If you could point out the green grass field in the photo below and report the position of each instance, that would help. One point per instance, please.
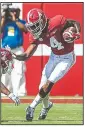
(59, 114)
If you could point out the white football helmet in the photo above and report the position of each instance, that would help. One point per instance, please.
(6, 61)
(36, 22)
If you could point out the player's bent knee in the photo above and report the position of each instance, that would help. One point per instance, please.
(45, 89)
(42, 93)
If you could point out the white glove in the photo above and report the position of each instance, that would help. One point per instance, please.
(14, 98)
(8, 48)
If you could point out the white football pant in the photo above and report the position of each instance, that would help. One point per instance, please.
(16, 81)
(56, 67)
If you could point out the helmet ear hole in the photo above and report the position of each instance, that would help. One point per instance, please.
(36, 22)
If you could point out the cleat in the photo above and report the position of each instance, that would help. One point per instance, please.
(44, 111)
(29, 113)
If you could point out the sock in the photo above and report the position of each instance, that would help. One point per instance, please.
(36, 101)
(45, 102)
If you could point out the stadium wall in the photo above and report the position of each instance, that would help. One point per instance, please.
(72, 83)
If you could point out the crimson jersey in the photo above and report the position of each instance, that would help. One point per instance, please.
(54, 38)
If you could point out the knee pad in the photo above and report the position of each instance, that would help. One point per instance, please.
(45, 89)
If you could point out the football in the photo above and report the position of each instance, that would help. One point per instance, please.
(69, 35)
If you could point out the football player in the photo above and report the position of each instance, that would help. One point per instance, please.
(6, 67)
(51, 32)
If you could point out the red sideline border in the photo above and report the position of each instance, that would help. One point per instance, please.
(78, 101)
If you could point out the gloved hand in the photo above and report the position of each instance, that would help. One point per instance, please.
(77, 35)
(14, 98)
(8, 48)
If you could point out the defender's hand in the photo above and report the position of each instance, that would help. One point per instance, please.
(17, 101)
(14, 98)
(77, 35)
(8, 48)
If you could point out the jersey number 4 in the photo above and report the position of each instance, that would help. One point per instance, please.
(55, 44)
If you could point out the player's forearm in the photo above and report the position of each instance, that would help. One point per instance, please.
(27, 54)
(21, 26)
(23, 57)
(4, 90)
